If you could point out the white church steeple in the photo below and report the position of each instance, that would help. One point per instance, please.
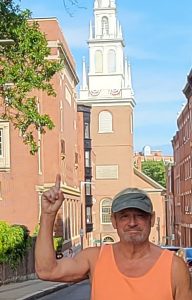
(84, 79)
(108, 78)
(104, 4)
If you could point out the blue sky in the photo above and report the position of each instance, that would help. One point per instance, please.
(158, 37)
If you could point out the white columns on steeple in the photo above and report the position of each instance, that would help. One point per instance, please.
(128, 81)
(97, 3)
(129, 78)
(90, 30)
(84, 83)
(104, 3)
(126, 74)
(113, 3)
(119, 30)
(108, 79)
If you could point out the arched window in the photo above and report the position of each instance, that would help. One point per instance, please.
(106, 211)
(98, 61)
(105, 122)
(108, 240)
(105, 26)
(112, 61)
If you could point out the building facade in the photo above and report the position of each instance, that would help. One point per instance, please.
(107, 88)
(24, 177)
(182, 193)
(154, 155)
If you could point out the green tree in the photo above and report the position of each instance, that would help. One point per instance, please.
(155, 170)
(24, 67)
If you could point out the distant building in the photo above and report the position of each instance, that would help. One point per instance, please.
(155, 155)
(182, 175)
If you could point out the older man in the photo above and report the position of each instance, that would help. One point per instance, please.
(132, 269)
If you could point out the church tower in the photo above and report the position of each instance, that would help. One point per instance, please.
(107, 88)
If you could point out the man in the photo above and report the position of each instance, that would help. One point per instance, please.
(132, 268)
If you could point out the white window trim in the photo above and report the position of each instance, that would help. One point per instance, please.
(99, 127)
(101, 206)
(5, 157)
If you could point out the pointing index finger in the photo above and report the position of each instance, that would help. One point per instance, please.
(58, 182)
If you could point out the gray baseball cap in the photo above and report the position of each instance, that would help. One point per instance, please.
(132, 198)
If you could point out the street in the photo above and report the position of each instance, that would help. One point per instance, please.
(78, 291)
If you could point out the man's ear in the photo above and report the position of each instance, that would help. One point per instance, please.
(113, 221)
(153, 219)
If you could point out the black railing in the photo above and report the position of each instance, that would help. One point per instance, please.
(88, 200)
(89, 227)
(88, 172)
(87, 144)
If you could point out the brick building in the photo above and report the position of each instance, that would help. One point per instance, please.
(24, 177)
(182, 191)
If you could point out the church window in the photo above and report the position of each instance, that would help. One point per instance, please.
(112, 61)
(106, 211)
(108, 240)
(98, 61)
(105, 26)
(105, 122)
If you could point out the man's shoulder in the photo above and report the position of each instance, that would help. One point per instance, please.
(92, 251)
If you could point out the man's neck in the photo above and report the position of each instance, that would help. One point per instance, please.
(134, 250)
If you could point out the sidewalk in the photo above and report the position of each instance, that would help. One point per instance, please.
(29, 290)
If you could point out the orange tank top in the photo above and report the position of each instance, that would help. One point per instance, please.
(110, 284)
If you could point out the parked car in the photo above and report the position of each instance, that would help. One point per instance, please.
(188, 257)
(185, 253)
(171, 248)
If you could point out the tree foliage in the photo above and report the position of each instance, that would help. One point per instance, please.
(24, 67)
(155, 170)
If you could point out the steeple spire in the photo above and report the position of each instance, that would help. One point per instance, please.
(128, 81)
(84, 85)
(104, 4)
(108, 79)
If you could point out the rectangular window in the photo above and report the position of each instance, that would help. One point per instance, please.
(106, 214)
(87, 159)
(87, 131)
(68, 96)
(4, 145)
(88, 215)
(88, 187)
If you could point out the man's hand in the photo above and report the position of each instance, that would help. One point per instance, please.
(52, 199)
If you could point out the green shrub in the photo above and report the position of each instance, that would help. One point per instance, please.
(58, 243)
(14, 242)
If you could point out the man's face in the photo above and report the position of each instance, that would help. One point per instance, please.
(133, 225)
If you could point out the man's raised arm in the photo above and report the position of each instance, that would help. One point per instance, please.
(46, 265)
